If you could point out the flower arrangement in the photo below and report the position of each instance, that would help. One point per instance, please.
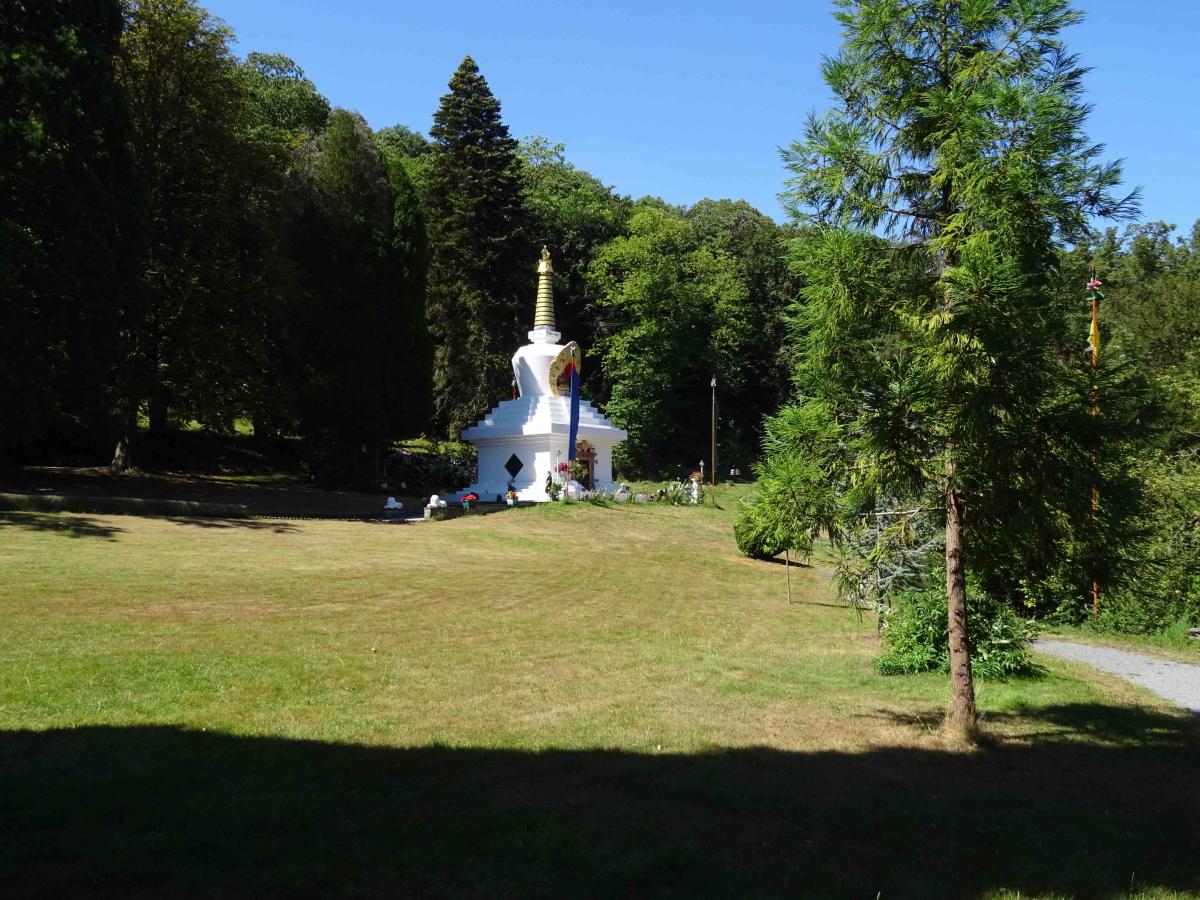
(574, 469)
(679, 494)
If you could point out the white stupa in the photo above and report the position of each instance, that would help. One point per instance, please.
(522, 441)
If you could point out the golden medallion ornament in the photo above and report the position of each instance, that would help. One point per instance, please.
(560, 378)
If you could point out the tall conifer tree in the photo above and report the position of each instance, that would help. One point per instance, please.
(957, 129)
(480, 258)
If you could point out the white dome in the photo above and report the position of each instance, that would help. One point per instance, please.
(531, 363)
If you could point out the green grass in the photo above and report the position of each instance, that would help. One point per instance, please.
(565, 700)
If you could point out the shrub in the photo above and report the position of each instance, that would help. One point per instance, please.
(754, 536)
(916, 638)
(1152, 583)
(677, 494)
(1166, 590)
(448, 466)
(794, 502)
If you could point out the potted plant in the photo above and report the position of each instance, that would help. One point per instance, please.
(469, 500)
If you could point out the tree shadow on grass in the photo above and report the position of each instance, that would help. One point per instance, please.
(159, 811)
(1090, 722)
(780, 561)
(249, 524)
(69, 525)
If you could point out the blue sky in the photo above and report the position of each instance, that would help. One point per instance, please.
(692, 100)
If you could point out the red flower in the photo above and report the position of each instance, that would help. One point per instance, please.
(470, 497)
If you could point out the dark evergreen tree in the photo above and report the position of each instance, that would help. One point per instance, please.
(65, 224)
(364, 347)
(413, 349)
(481, 259)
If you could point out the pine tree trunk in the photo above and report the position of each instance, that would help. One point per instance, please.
(962, 684)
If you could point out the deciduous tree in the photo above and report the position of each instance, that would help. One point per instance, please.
(190, 341)
(575, 215)
(66, 228)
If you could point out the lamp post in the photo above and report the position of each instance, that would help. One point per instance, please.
(713, 457)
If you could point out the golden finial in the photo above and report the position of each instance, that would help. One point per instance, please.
(543, 313)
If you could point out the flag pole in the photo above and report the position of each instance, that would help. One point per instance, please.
(1095, 295)
(713, 384)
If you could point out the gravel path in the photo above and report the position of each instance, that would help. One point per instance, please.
(1174, 681)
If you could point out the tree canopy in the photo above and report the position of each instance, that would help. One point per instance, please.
(67, 238)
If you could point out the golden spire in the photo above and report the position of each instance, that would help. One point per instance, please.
(543, 313)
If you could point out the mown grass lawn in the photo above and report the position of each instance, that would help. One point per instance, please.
(560, 701)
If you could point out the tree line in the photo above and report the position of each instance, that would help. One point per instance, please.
(196, 239)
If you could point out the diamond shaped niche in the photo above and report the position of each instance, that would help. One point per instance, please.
(514, 465)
